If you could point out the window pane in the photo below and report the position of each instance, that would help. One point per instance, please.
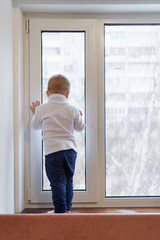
(64, 53)
(132, 110)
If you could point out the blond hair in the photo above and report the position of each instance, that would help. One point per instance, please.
(58, 84)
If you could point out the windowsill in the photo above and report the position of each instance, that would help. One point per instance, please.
(97, 210)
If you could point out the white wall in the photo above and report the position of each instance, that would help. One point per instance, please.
(18, 108)
(6, 110)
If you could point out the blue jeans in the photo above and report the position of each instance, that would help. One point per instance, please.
(60, 167)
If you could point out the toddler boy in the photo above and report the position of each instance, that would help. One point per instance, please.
(58, 120)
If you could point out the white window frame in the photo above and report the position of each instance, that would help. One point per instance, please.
(95, 196)
(115, 201)
(89, 26)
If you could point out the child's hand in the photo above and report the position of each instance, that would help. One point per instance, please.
(80, 112)
(34, 105)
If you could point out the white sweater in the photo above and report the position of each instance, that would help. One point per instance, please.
(58, 120)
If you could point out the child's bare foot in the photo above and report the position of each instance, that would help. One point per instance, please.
(51, 212)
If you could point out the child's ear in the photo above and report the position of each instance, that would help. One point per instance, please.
(67, 94)
(47, 93)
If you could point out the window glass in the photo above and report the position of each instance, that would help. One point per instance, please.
(64, 53)
(132, 110)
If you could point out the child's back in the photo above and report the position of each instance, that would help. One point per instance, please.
(58, 120)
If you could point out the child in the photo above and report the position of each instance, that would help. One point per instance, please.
(58, 120)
